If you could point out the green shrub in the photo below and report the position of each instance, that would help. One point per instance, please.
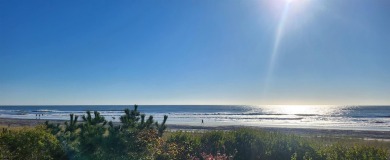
(34, 143)
(182, 145)
(339, 151)
(133, 138)
(212, 142)
(280, 146)
(248, 144)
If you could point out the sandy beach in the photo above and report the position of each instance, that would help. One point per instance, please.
(368, 135)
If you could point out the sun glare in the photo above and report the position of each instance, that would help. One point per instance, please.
(290, 1)
(302, 109)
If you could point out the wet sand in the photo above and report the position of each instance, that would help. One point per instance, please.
(24, 122)
(376, 135)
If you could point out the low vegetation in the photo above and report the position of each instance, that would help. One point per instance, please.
(138, 137)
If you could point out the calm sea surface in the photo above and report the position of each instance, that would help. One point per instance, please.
(321, 117)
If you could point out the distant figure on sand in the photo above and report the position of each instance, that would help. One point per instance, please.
(202, 121)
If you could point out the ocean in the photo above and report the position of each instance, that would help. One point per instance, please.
(375, 118)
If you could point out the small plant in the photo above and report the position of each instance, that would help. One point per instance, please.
(72, 125)
(161, 128)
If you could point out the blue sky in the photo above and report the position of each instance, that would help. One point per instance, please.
(195, 52)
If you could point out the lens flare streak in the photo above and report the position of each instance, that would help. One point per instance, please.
(276, 45)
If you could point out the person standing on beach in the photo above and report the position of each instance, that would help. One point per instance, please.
(202, 121)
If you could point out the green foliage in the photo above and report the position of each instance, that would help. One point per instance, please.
(249, 144)
(131, 117)
(53, 128)
(133, 138)
(253, 144)
(72, 125)
(338, 151)
(215, 142)
(161, 127)
(182, 145)
(90, 120)
(26, 144)
(281, 146)
(91, 136)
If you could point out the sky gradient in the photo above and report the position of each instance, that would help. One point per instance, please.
(195, 52)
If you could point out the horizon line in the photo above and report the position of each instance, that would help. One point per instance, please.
(195, 104)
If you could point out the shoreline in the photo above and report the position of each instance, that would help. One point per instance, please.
(334, 133)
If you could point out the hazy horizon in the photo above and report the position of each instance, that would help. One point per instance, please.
(265, 52)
